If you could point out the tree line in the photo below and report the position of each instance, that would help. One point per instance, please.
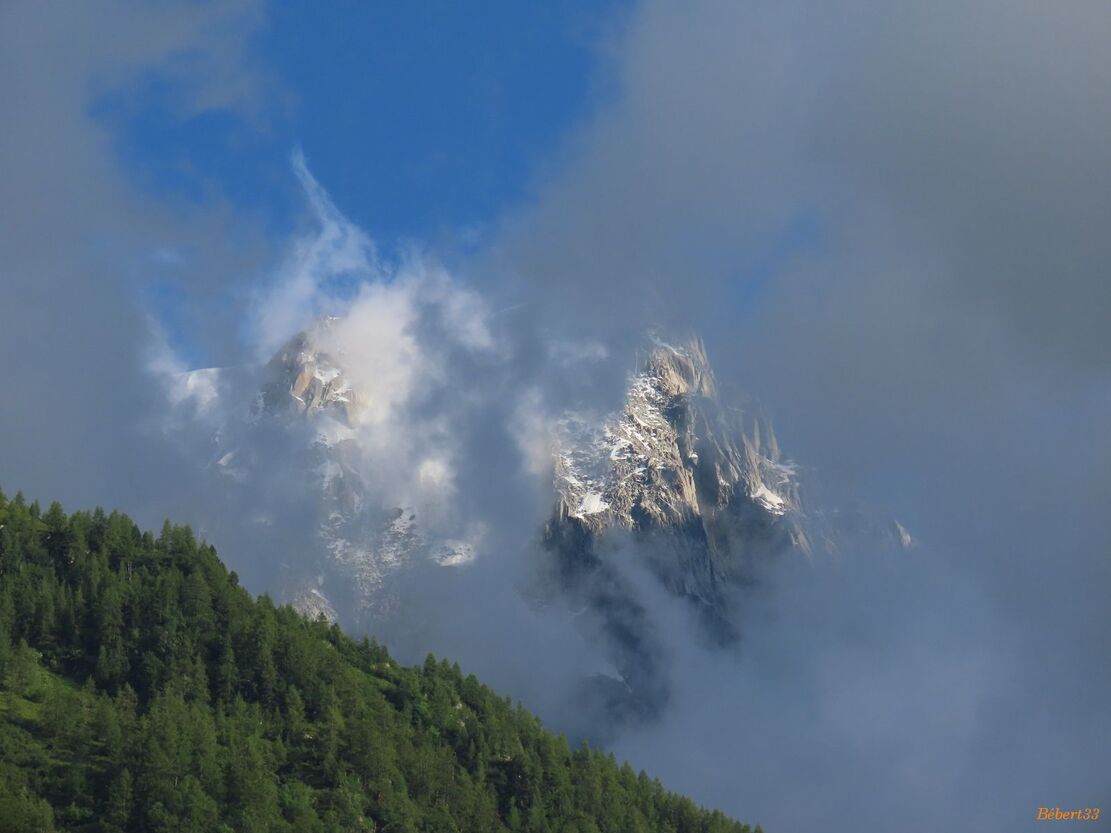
(143, 690)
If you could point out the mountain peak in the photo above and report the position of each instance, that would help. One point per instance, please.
(302, 377)
(672, 454)
(681, 369)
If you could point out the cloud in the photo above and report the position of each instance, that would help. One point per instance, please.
(980, 124)
(317, 273)
(886, 220)
(399, 332)
(847, 205)
(76, 236)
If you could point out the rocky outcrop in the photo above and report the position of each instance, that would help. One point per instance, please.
(305, 380)
(696, 492)
(704, 486)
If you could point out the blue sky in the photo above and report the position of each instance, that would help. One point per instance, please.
(425, 122)
(420, 118)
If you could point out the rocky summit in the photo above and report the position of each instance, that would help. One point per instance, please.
(695, 491)
(705, 485)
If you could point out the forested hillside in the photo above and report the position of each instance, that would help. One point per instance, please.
(142, 689)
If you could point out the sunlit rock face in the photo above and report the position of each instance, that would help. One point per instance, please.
(695, 492)
(703, 487)
(306, 380)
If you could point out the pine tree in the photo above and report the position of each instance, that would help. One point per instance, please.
(226, 679)
(119, 807)
(144, 690)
